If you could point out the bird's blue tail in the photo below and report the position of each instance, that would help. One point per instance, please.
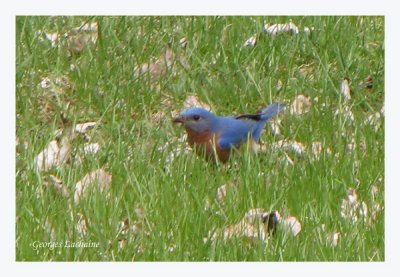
(266, 114)
(259, 119)
(271, 110)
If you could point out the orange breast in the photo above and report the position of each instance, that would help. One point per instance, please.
(205, 143)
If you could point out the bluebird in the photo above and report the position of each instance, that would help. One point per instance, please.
(215, 136)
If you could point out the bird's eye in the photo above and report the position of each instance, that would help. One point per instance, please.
(196, 117)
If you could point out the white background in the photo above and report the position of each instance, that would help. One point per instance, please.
(10, 9)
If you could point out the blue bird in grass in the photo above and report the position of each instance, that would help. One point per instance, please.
(215, 136)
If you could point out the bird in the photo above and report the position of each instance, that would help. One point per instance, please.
(216, 136)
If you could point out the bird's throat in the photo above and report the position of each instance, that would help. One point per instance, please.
(205, 143)
(199, 138)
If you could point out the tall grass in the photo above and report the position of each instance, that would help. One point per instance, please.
(173, 201)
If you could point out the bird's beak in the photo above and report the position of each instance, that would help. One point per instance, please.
(178, 119)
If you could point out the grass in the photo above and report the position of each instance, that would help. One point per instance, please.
(178, 198)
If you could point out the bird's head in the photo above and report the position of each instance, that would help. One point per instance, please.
(196, 119)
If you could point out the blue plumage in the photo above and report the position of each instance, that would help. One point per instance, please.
(205, 129)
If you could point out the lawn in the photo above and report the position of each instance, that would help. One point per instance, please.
(150, 197)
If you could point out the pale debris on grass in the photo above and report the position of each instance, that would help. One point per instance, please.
(300, 105)
(140, 215)
(294, 146)
(58, 133)
(162, 65)
(54, 95)
(77, 38)
(136, 228)
(83, 128)
(275, 129)
(215, 58)
(316, 101)
(375, 190)
(275, 29)
(252, 225)
(48, 157)
(122, 243)
(308, 30)
(251, 41)
(351, 208)
(317, 149)
(128, 228)
(155, 70)
(81, 225)
(182, 53)
(183, 42)
(257, 223)
(54, 154)
(254, 146)
(279, 85)
(53, 38)
(181, 148)
(61, 188)
(289, 28)
(345, 109)
(374, 120)
(351, 146)
(289, 160)
(192, 100)
(299, 148)
(291, 225)
(54, 85)
(48, 226)
(58, 151)
(171, 248)
(333, 239)
(286, 145)
(124, 227)
(91, 148)
(100, 177)
(345, 89)
(275, 126)
(19, 143)
(330, 238)
(157, 117)
(346, 112)
(87, 30)
(306, 70)
(54, 81)
(222, 191)
(376, 208)
(167, 100)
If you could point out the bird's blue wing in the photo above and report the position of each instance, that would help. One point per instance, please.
(232, 132)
